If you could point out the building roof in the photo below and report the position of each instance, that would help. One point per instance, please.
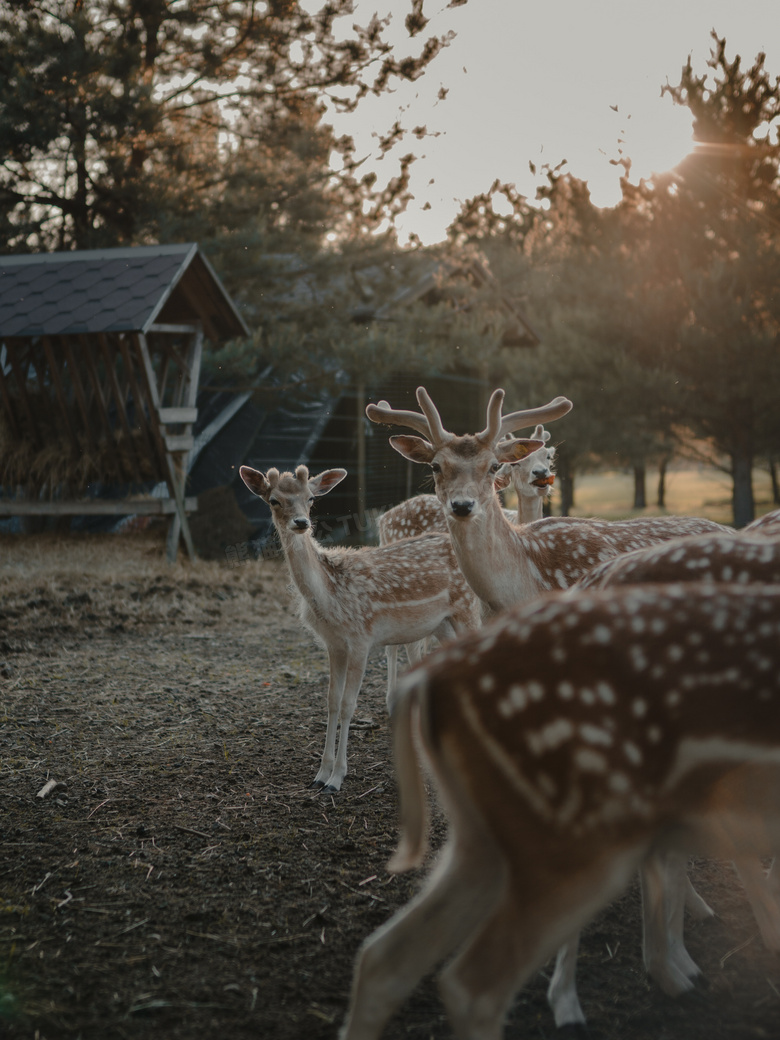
(114, 290)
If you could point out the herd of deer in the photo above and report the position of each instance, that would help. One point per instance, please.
(619, 714)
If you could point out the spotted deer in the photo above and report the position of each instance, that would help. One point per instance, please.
(503, 563)
(569, 741)
(532, 479)
(742, 558)
(768, 524)
(747, 557)
(507, 565)
(356, 599)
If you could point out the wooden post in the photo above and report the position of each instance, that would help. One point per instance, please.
(360, 415)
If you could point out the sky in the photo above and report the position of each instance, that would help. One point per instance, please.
(545, 81)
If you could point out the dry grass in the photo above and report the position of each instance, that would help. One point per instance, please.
(697, 491)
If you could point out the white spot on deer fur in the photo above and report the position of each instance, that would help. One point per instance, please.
(550, 737)
(587, 696)
(672, 698)
(565, 690)
(590, 761)
(605, 692)
(633, 754)
(639, 707)
(558, 654)
(593, 735)
(619, 783)
(638, 658)
(653, 734)
(675, 652)
(486, 683)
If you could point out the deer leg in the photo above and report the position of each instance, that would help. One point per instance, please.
(662, 879)
(338, 671)
(531, 920)
(479, 985)
(391, 656)
(696, 906)
(562, 991)
(458, 895)
(355, 670)
(760, 889)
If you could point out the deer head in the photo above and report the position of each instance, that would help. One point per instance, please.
(465, 467)
(290, 495)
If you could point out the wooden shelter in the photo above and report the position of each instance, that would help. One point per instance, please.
(100, 354)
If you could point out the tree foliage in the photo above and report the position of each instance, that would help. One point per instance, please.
(124, 121)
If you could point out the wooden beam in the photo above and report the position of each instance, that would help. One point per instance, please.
(95, 507)
(177, 415)
(174, 482)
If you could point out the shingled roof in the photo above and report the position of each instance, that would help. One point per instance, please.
(114, 290)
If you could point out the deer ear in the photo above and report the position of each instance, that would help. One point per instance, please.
(516, 450)
(255, 481)
(325, 481)
(413, 448)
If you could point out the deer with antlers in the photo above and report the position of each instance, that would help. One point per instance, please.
(507, 565)
(531, 477)
(356, 599)
(569, 741)
(503, 563)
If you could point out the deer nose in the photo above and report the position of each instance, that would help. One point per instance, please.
(462, 506)
(301, 523)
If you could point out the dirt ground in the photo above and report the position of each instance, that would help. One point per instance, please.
(182, 881)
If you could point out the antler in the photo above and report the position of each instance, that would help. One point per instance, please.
(498, 426)
(429, 423)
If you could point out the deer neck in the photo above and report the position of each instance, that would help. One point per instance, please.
(529, 508)
(488, 550)
(305, 560)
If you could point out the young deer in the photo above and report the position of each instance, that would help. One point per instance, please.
(506, 564)
(358, 599)
(568, 741)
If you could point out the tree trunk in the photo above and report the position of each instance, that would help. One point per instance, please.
(742, 500)
(565, 478)
(661, 490)
(640, 494)
(775, 481)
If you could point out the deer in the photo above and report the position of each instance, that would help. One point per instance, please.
(532, 479)
(569, 741)
(768, 524)
(506, 564)
(748, 557)
(354, 600)
(742, 558)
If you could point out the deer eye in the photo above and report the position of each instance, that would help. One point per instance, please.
(435, 467)
(274, 502)
(311, 499)
(495, 467)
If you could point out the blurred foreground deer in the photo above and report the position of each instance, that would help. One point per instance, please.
(570, 742)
